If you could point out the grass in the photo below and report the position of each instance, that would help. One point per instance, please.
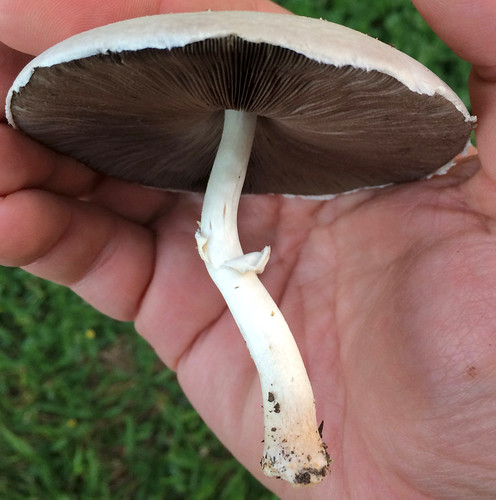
(86, 409)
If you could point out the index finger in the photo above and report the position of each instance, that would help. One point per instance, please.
(32, 26)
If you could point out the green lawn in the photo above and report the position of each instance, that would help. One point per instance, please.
(86, 410)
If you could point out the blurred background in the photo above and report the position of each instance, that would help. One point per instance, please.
(86, 409)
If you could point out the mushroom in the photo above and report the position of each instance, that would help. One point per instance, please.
(277, 104)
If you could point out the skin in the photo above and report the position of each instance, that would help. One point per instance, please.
(390, 293)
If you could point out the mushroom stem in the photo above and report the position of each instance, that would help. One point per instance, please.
(293, 448)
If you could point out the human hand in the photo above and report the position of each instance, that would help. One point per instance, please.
(388, 291)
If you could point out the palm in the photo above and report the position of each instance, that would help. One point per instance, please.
(371, 288)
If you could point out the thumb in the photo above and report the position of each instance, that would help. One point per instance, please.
(469, 28)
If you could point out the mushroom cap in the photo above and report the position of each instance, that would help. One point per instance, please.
(143, 100)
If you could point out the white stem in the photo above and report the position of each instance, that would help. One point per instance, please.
(293, 448)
